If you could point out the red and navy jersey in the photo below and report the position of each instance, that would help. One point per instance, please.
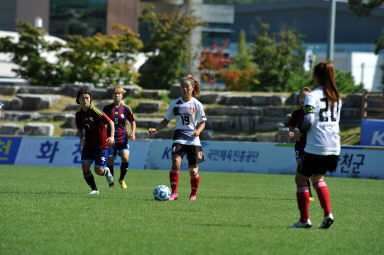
(93, 121)
(296, 120)
(119, 115)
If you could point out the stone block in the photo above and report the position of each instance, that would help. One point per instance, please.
(37, 102)
(11, 129)
(148, 107)
(39, 129)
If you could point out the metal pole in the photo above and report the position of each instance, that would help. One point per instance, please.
(331, 36)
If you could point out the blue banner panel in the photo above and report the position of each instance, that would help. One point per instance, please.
(9, 147)
(372, 132)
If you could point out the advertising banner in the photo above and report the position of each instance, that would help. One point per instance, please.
(9, 147)
(67, 152)
(372, 132)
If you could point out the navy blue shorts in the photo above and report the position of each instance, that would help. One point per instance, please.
(98, 155)
(299, 154)
(113, 150)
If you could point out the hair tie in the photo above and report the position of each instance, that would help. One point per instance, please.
(188, 80)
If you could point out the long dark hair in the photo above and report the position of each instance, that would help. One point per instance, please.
(324, 74)
(196, 86)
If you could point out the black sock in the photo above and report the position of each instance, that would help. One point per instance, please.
(111, 169)
(88, 177)
(123, 170)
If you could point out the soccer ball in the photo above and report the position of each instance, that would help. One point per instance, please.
(161, 193)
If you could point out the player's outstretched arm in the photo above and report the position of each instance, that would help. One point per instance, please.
(162, 125)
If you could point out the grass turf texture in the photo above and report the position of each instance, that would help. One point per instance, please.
(47, 210)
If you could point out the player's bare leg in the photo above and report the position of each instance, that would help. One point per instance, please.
(104, 171)
(174, 175)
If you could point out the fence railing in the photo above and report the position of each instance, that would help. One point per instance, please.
(372, 105)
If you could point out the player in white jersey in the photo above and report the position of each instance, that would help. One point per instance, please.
(190, 122)
(321, 122)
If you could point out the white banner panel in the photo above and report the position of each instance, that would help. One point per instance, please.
(255, 157)
(67, 152)
(223, 156)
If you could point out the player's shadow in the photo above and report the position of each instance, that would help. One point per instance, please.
(40, 193)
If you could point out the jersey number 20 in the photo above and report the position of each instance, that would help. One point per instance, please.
(322, 115)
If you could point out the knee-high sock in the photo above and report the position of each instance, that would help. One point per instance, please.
(123, 170)
(88, 177)
(111, 169)
(302, 194)
(195, 179)
(174, 179)
(323, 195)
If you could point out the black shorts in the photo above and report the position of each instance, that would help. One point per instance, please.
(194, 153)
(312, 164)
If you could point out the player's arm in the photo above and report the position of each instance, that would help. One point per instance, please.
(111, 139)
(80, 133)
(162, 125)
(309, 119)
(133, 130)
(199, 129)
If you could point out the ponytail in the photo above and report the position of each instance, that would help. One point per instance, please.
(325, 75)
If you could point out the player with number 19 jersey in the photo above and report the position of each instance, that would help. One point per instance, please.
(188, 115)
(324, 136)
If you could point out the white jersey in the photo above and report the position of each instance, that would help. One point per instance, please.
(323, 138)
(188, 115)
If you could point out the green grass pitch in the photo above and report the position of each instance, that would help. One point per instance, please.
(47, 210)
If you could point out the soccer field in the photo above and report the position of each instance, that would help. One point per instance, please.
(47, 210)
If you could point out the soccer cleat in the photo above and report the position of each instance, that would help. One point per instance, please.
(112, 185)
(123, 184)
(192, 197)
(311, 199)
(94, 192)
(173, 196)
(299, 224)
(327, 222)
(108, 175)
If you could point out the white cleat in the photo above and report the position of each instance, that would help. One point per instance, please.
(94, 192)
(327, 222)
(299, 224)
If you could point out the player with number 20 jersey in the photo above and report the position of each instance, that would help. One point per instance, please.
(323, 138)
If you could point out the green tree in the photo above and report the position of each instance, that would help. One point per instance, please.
(361, 8)
(243, 59)
(168, 47)
(101, 59)
(29, 54)
(276, 56)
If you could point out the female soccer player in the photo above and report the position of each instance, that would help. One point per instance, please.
(90, 123)
(321, 121)
(296, 119)
(190, 121)
(120, 114)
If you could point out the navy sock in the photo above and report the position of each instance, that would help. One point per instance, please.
(90, 180)
(123, 170)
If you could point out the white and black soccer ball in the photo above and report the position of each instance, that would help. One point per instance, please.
(161, 193)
